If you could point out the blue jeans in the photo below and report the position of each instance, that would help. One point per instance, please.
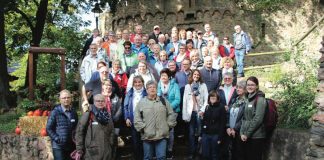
(61, 154)
(194, 132)
(239, 57)
(210, 147)
(137, 144)
(158, 146)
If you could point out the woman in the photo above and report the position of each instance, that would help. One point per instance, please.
(189, 46)
(195, 100)
(172, 65)
(119, 76)
(113, 105)
(162, 62)
(182, 55)
(170, 90)
(216, 57)
(252, 130)
(182, 36)
(133, 96)
(143, 71)
(95, 132)
(227, 65)
(235, 120)
(213, 125)
(196, 62)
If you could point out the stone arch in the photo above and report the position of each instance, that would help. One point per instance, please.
(170, 20)
(129, 23)
(207, 16)
(120, 22)
(159, 18)
(180, 16)
(228, 19)
(216, 15)
(113, 24)
(148, 20)
(199, 15)
(138, 19)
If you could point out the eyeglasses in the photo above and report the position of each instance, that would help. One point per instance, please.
(104, 72)
(65, 97)
(99, 101)
(127, 48)
(227, 78)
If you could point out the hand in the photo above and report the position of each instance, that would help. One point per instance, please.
(78, 155)
(172, 49)
(233, 133)
(128, 123)
(226, 108)
(85, 106)
(228, 131)
(201, 114)
(244, 138)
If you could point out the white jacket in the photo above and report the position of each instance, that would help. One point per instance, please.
(202, 100)
(147, 77)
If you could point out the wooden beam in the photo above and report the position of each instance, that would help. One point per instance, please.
(60, 51)
(62, 72)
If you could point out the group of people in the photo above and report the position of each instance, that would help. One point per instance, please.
(159, 88)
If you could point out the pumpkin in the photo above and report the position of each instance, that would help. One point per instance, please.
(30, 113)
(43, 132)
(18, 130)
(38, 112)
(45, 113)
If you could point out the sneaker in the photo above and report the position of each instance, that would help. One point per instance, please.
(169, 155)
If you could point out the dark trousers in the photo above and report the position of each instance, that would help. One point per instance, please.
(236, 148)
(61, 154)
(224, 147)
(252, 149)
(210, 147)
(137, 144)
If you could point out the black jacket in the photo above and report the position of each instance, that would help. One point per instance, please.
(214, 120)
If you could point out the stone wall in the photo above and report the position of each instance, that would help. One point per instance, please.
(286, 144)
(13, 147)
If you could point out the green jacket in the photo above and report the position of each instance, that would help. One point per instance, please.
(153, 119)
(252, 123)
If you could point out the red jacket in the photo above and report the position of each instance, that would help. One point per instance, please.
(223, 53)
(121, 79)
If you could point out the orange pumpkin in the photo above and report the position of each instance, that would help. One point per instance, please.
(45, 113)
(30, 113)
(43, 132)
(37, 113)
(18, 130)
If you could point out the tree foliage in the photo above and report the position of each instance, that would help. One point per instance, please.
(261, 5)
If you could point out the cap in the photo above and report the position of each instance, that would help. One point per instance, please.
(111, 33)
(155, 27)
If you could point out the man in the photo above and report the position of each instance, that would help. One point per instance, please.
(226, 49)
(173, 47)
(199, 43)
(128, 59)
(60, 125)
(138, 31)
(162, 42)
(138, 46)
(227, 94)
(154, 57)
(141, 57)
(120, 44)
(95, 34)
(112, 47)
(89, 63)
(95, 87)
(153, 111)
(211, 76)
(209, 35)
(242, 45)
(155, 34)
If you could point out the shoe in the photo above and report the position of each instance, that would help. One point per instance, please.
(190, 157)
(169, 155)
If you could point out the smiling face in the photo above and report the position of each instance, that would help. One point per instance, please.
(99, 102)
(163, 56)
(65, 99)
(240, 90)
(151, 90)
(142, 68)
(107, 87)
(116, 65)
(164, 78)
(138, 83)
(196, 76)
(172, 66)
(251, 87)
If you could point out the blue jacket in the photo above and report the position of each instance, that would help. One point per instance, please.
(142, 48)
(173, 95)
(246, 41)
(128, 104)
(182, 79)
(171, 55)
(59, 127)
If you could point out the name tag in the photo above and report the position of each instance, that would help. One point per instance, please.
(94, 123)
(72, 120)
(250, 105)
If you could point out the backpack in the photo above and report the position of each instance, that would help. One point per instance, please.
(271, 115)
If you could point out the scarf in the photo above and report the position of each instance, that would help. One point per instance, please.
(165, 88)
(101, 115)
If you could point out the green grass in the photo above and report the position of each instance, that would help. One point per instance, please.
(8, 122)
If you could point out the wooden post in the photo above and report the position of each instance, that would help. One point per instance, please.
(62, 71)
(30, 76)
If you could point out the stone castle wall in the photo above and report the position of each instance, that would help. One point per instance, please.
(269, 30)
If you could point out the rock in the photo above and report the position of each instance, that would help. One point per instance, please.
(320, 74)
(317, 140)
